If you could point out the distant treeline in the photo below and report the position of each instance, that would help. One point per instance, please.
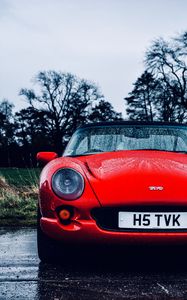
(62, 102)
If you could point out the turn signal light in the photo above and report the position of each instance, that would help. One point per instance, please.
(65, 214)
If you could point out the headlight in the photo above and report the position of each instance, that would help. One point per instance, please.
(68, 184)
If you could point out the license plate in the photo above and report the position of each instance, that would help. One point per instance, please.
(150, 220)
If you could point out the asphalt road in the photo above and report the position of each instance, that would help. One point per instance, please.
(146, 274)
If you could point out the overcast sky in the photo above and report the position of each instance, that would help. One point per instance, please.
(101, 40)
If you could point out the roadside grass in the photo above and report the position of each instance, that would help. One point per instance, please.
(18, 196)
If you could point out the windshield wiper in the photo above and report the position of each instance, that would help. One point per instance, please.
(154, 149)
(84, 154)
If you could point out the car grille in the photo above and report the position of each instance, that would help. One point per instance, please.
(107, 217)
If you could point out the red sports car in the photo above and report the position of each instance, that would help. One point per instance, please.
(116, 183)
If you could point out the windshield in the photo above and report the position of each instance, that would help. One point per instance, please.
(99, 139)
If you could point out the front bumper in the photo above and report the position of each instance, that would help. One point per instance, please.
(87, 232)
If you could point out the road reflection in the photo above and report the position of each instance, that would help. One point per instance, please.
(143, 273)
(98, 273)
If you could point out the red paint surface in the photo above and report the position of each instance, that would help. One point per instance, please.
(115, 179)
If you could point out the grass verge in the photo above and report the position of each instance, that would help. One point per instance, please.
(18, 197)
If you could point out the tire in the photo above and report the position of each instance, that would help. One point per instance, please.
(49, 250)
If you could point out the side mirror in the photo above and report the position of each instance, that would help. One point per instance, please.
(45, 157)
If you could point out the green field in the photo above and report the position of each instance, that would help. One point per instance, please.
(18, 196)
(21, 177)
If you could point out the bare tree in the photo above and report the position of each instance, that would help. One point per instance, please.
(167, 61)
(161, 92)
(66, 99)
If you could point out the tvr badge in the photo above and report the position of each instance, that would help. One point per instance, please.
(156, 188)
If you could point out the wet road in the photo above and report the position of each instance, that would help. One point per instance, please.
(143, 275)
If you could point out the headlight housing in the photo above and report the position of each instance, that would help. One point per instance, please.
(68, 184)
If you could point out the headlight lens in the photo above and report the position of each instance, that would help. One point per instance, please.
(68, 184)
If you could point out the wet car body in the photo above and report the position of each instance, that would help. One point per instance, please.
(132, 191)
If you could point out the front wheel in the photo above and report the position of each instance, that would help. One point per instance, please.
(49, 250)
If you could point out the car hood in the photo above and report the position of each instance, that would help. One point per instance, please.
(138, 177)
